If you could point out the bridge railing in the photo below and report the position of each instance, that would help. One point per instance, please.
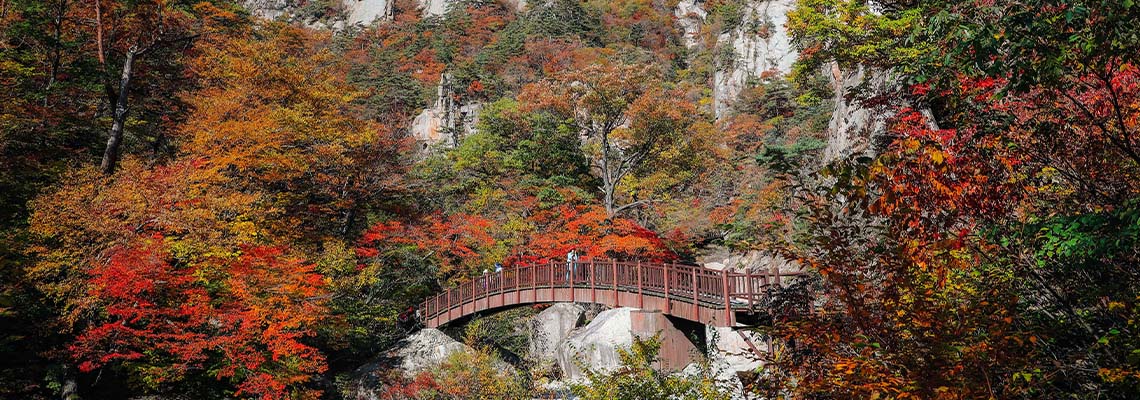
(690, 283)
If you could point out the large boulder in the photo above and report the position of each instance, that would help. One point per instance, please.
(420, 351)
(550, 327)
(730, 354)
(426, 349)
(596, 345)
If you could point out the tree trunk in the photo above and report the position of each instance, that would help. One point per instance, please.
(114, 142)
(69, 388)
(608, 192)
(57, 49)
(609, 185)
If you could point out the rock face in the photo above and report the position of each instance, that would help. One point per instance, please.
(519, 5)
(368, 11)
(729, 354)
(550, 327)
(596, 344)
(691, 16)
(720, 258)
(759, 47)
(267, 9)
(425, 349)
(355, 11)
(434, 7)
(853, 125)
(445, 122)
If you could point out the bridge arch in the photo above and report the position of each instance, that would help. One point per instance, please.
(690, 292)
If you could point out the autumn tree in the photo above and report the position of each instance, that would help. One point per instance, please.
(273, 111)
(163, 321)
(274, 163)
(628, 120)
(126, 32)
(973, 256)
(591, 231)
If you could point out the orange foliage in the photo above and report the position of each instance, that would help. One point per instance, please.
(191, 265)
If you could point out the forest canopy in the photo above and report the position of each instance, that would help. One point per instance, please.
(201, 199)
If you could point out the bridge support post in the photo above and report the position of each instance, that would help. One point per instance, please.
(696, 297)
(593, 288)
(551, 281)
(727, 298)
(665, 275)
(573, 271)
(640, 297)
(748, 286)
(613, 264)
(518, 284)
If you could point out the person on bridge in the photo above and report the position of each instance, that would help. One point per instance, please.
(485, 273)
(571, 266)
(498, 275)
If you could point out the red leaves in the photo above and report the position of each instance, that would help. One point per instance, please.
(587, 229)
(467, 244)
(243, 317)
(275, 304)
(152, 307)
(948, 171)
(400, 389)
(457, 241)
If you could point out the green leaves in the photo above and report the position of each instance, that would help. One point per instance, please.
(1090, 236)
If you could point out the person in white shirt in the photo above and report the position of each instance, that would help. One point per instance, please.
(571, 265)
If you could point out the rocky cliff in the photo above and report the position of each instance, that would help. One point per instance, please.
(757, 49)
(754, 47)
(367, 11)
(335, 15)
(853, 124)
(691, 16)
(348, 12)
(446, 122)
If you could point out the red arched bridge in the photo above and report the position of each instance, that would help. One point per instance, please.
(689, 292)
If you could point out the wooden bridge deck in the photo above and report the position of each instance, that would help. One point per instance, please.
(666, 287)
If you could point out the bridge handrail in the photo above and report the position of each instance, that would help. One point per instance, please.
(670, 280)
